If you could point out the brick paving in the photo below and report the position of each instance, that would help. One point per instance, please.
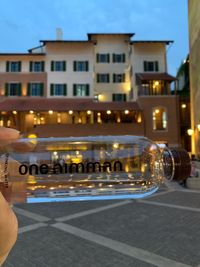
(102, 233)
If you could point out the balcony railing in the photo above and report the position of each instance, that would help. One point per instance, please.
(147, 91)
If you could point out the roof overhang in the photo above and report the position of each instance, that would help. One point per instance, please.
(155, 76)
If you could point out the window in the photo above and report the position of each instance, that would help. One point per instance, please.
(58, 89)
(13, 89)
(159, 118)
(81, 90)
(58, 65)
(81, 66)
(103, 78)
(36, 66)
(119, 97)
(103, 58)
(118, 78)
(119, 58)
(13, 66)
(151, 66)
(35, 89)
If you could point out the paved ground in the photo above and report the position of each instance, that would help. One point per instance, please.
(162, 230)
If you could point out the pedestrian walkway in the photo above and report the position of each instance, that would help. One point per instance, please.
(161, 230)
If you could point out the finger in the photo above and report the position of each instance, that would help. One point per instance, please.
(8, 135)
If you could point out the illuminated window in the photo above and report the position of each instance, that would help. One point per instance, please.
(159, 119)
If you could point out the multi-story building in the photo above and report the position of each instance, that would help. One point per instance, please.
(194, 31)
(107, 84)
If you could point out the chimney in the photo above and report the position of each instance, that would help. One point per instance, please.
(59, 34)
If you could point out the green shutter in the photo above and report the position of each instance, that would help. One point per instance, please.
(7, 66)
(113, 97)
(52, 65)
(31, 66)
(41, 89)
(108, 78)
(114, 77)
(43, 65)
(156, 65)
(65, 89)
(108, 58)
(87, 65)
(64, 65)
(124, 78)
(97, 78)
(19, 66)
(113, 58)
(97, 57)
(51, 89)
(124, 97)
(29, 89)
(19, 89)
(74, 89)
(124, 58)
(87, 89)
(74, 65)
(6, 89)
(145, 65)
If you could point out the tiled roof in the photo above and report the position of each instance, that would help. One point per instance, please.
(155, 76)
(56, 104)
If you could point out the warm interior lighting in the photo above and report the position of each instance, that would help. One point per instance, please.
(89, 112)
(58, 118)
(50, 112)
(190, 132)
(1, 122)
(198, 127)
(116, 145)
(14, 112)
(156, 83)
(157, 111)
(32, 136)
(70, 112)
(31, 111)
(108, 112)
(183, 105)
(126, 111)
(8, 123)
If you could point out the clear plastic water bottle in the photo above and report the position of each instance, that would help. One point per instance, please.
(85, 168)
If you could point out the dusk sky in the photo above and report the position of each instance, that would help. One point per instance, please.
(23, 23)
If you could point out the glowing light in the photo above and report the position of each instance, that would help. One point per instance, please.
(14, 112)
(116, 145)
(183, 105)
(70, 112)
(198, 127)
(31, 111)
(108, 112)
(126, 111)
(156, 83)
(89, 112)
(50, 112)
(157, 111)
(190, 132)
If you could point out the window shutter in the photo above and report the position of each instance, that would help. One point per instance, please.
(123, 58)
(19, 66)
(31, 66)
(7, 66)
(113, 97)
(19, 89)
(29, 89)
(124, 78)
(52, 65)
(108, 58)
(97, 57)
(64, 65)
(6, 89)
(87, 89)
(43, 65)
(108, 78)
(65, 89)
(113, 58)
(74, 65)
(156, 65)
(41, 89)
(74, 89)
(51, 89)
(87, 65)
(114, 77)
(124, 97)
(97, 78)
(145, 66)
